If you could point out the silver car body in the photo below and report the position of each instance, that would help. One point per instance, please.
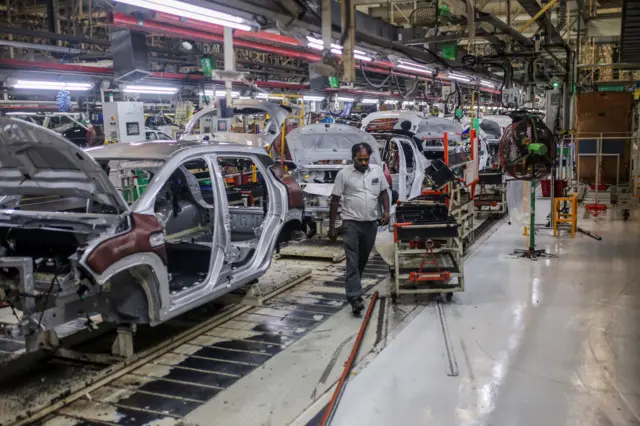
(135, 288)
(265, 138)
(408, 168)
(430, 130)
(319, 152)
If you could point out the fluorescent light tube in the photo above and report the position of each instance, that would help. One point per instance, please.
(334, 50)
(191, 11)
(157, 90)
(267, 96)
(414, 69)
(312, 98)
(21, 113)
(369, 101)
(390, 101)
(337, 49)
(220, 93)
(487, 83)
(458, 77)
(313, 40)
(362, 57)
(346, 99)
(50, 85)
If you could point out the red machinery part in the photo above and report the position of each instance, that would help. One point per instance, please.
(219, 29)
(125, 21)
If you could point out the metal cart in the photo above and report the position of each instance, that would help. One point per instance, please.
(428, 247)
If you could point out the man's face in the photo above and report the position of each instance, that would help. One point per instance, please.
(361, 160)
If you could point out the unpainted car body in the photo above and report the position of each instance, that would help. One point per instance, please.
(429, 130)
(267, 136)
(319, 152)
(405, 161)
(81, 234)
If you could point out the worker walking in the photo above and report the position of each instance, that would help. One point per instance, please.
(363, 188)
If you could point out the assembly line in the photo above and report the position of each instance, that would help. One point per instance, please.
(319, 212)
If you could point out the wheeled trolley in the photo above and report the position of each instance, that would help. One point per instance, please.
(427, 248)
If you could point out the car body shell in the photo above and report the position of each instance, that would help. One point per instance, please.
(130, 237)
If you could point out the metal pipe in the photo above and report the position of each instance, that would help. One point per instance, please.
(331, 408)
(49, 48)
(122, 20)
(537, 15)
(43, 34)
(218, 29)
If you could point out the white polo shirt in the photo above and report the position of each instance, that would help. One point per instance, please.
(360, 192)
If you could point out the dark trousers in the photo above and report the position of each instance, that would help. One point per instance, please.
(359, 239)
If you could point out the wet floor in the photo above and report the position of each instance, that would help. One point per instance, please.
(554, 342)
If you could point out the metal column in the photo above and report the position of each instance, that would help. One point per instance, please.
(229, 61)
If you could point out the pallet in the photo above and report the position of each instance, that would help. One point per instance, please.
(314, 248)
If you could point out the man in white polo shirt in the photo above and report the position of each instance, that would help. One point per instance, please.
(363, 188)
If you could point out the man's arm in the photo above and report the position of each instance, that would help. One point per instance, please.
(333, 213)
(383, 198)
(338, 190)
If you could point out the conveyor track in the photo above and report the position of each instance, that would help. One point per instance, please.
(173, 379)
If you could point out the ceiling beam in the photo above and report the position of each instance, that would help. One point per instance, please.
(533, 8)
(502, 26)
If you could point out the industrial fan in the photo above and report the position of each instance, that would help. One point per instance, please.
(526, 153)
(526, 149)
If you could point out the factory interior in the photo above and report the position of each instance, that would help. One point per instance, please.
(174, 249)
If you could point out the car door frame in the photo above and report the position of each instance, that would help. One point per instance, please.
(278, 201)
(175, 304)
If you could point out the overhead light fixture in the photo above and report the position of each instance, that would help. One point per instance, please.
(219, 93)
(244, 98)
(340, 99)
(413, 66)
(459, 77)
(319, 42)
(390, 101)
(191, 11)
(369, 101)
(487, 83)
(152, 90)
(336, 49)
(408, 103)
(312, 98)
(50, 85)
(268, 96)
(21, 113)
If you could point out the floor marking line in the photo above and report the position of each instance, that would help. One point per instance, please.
(145, 410)
(181, 382)
(452, 363)
(208, 358)
(199, 370)
(162, 395)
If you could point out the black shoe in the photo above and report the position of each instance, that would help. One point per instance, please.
(357, 306)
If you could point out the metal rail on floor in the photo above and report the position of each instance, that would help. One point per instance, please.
(137, 360)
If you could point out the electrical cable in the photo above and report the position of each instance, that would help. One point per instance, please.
(375, 86)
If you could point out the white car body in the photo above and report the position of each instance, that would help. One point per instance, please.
(319, 152)
(265, 138)
(430, 130)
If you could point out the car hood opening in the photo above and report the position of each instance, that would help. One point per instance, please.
(36, 162)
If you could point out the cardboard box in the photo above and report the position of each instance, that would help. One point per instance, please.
(604, 112)
(604, 101)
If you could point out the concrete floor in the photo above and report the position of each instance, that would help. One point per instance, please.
(553, 342)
